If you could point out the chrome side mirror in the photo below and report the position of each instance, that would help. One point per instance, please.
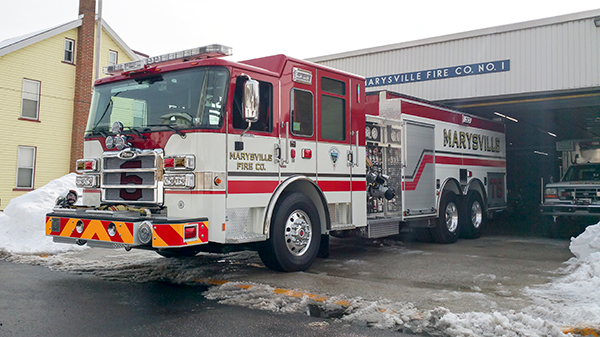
(251, 101)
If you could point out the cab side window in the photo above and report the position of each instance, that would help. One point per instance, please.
(265, 109)
(302, 112)
(333, 109)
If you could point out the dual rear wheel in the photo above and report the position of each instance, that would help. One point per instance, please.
(459, 219)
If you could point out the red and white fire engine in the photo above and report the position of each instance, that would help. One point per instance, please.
(189, 152)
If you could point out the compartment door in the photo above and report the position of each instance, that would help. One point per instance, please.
(418, 172)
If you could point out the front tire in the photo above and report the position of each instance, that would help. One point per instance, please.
(295, 235)
(447, 228)
(473, 217)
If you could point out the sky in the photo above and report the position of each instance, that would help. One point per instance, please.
(302, 29)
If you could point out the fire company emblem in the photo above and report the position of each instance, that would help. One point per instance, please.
(334, 155)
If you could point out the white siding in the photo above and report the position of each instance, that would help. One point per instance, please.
(554, 54)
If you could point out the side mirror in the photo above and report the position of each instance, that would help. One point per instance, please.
(251, 101)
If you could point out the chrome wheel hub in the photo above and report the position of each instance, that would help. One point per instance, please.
(451, 217)
(298, 233)
(476, 214)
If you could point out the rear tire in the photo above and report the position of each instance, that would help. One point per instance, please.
(447, 228)
(295, 235)
(473, 217)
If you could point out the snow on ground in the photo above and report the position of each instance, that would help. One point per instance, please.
(569, 299)
(22, 222)
(575, 297)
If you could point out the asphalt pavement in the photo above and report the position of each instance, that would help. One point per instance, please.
(35, 301)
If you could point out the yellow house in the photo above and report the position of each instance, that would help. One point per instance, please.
(38, 94)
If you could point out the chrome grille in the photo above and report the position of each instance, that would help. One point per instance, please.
(587, 193)
(134, 180)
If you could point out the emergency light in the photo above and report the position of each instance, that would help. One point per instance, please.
(86, 165)
(213, 50)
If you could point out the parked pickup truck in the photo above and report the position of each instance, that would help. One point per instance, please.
(576, 198)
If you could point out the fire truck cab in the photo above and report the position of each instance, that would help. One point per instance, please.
(189, 152)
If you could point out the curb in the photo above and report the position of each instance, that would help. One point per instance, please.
(579, 331)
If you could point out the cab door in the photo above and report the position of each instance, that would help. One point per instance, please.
(252, 171)
(334, 146)
(297, 137)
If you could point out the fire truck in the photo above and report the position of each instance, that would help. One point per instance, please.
(575, 200)
(189, 152)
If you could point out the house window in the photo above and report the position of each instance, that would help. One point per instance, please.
(25, 167)
(113, 57)
(69, 51)
(31, 99)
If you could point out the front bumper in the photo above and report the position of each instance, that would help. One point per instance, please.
(116, 229)
(570, 210)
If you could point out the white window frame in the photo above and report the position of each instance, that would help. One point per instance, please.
(71, 51)
(31, 92)
(112, 62)
(21, 165)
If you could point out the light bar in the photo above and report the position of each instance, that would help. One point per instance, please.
(213, 50)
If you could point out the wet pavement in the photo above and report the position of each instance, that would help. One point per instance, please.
(36, 301)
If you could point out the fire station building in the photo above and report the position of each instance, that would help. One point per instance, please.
(541, 77)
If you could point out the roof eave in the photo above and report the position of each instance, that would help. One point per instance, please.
(40, 36)
(591, 14)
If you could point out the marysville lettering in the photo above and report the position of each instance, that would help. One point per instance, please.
(250, 158)
(471, 141)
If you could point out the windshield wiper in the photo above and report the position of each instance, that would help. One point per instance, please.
(170, 127)
(110, 102)
(137, 132)
(177, 131)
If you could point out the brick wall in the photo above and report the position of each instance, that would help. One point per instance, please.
(83, 78)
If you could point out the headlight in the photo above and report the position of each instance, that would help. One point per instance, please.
(551, 193)
(110, 142)
(121, 142)
(187, 180)
(87, 181)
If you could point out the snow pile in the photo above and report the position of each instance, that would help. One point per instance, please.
(23, 220)
(573, 299)
(587, 243)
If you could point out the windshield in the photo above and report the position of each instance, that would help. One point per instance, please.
(184, 99)
(583, 173)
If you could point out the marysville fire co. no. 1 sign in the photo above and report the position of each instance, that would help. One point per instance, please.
(441, 73)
